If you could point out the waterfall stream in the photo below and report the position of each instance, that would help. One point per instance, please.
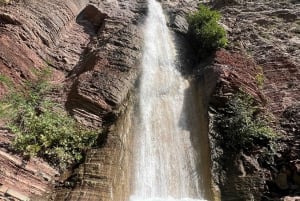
(165, 166)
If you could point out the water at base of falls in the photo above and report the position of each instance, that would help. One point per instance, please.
(164, 199)
(165, 166)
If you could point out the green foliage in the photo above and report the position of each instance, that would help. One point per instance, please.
(260, 78)
(43, 128)
(205, 31)
(5, 80)
(241, 126)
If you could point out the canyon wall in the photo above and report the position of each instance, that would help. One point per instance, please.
(27, 34)
(263, 39)
(99, 92)
(93, 48)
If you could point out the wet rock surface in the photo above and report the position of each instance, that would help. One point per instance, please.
(99, 90)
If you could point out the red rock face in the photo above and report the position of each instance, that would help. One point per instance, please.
(263, 39)
(268, 32)
(238, 72)
(16, 60)
(94, 51)
(24, 177)
(99, 88)
(282, 83)
(29, 34)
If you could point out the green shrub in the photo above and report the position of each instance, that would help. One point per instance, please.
(42, 128)
(260, 78)
(206, 33)
(241, 126)
(5, 80)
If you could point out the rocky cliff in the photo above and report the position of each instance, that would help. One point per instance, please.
(27, 36)
(94, 49)
(262, 60)
(264, 39)
(99, 91)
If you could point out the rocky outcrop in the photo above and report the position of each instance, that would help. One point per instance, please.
(106, 172)
(41, 28)
(94, 49)
(29, 31)
(290, 122)
(104, 78)
(269, 32)
(21, 178)
(235, 176)
(263, 42)
(177, 12)
(100, 85)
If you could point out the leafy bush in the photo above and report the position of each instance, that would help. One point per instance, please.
(43, 128)
(241, 126)
(205, 31)
(5, 80)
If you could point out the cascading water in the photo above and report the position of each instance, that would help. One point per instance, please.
(165, 167)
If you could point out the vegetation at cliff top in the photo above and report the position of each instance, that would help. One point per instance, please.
(206, 33)
(241, 125)
(42, 128)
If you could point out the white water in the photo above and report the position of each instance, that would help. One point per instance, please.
(165, 163)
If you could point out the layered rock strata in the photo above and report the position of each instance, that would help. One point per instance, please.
(29, 30)
(264, 40)
(101, 82)
(100, 88)
(94, 48)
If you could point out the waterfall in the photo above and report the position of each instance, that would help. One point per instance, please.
(165, 167)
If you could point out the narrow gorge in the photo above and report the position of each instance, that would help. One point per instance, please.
(173, 122)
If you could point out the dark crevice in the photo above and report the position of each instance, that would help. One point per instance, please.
(91, 19)
(6, 19)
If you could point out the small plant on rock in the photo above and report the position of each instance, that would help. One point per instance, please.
(260, 78)
(241, 126)
(205, 31)
(5, 80)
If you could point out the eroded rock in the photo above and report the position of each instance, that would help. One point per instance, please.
(95, 48)
(262, 32)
